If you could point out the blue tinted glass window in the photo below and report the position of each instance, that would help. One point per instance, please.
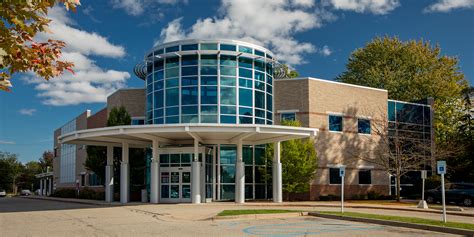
(189, 71)
(173, 119)
(172, 82)
(149, 67)
(269, 68)
(189, 95)
(172, 97)
(228, 71)
(245, 62)
(187, 81)
(363, 126)
(228, 81)
(208, 95)
(172, 62)
(228, 154)
(391, 111)
(245, 97)
(159, 113)
(159, 85)
(260, 85)
(158, 121)
(209, 59)
(245, 83)
(227, 109)
(149, 101)
(189, 110)
(409, 113)
(259, 113)
(138, 121)
(149, 79)
(260, 65)
(158, 99)
(228, 119)
(228, 47)
(187, 47)
(259, 99)
(170, 111)
(158, 75)
(208, 46)
(427, 115)
(189, 119)
(259, 53)
(172, 72)
(245, 73)
(259, 121)
(208, 118)
(245, 111)
(172, 49)
(159, 51)
(269, 89)
(149, 89)
(259, 76)
(158, 64)
(208, 70)
(335, 123)
(208, 109)
(228, 95)
(208, 80)
(245, 120)
(244, 49)
(228, 60)
(189, 60)
(269, 102)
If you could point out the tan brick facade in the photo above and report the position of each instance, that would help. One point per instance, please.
(313, 100)
(134, 101)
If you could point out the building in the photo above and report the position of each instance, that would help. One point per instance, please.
(207, 110)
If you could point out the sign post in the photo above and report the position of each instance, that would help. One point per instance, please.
(422, 203)
(342, 173)
(441, 168)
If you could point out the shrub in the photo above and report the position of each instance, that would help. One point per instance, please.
(329, 197)
(372, 195)
(65, 193)
(84, 193)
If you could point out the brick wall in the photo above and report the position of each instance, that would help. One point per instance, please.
(134, 101)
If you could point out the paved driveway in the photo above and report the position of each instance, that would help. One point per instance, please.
(29, 217)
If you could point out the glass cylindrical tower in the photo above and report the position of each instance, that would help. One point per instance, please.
(209, 81)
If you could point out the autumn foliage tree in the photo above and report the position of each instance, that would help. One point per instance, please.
(19, 51)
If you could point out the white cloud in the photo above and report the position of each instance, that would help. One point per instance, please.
(4, 142)
(28, 112)
(379, 7)
(271, 23)
(90, 83)
(448, 5)
(325, 51)
(137, 7)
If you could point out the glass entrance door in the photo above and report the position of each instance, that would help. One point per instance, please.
(175, 184)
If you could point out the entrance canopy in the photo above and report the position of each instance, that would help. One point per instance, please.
(143, 135)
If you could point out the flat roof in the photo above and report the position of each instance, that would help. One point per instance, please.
(329, 81)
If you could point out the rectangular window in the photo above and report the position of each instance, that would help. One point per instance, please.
(244, 49)
(365, 177)
(288, 116)
(209, 46)
(172, 49)
(335, 123)
(228, 47)
(334, 177)
(187, 47)
(363, 126)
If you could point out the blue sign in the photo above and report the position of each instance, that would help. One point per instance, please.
(342, 171)
(441, 167)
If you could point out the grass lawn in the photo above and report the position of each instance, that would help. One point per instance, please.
(413, 220)
(250, 212)
(382, 202)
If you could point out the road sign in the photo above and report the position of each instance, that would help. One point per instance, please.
(423, 174)
(342, 171)
(441, 167)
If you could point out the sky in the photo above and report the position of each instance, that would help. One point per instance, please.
(106, 38)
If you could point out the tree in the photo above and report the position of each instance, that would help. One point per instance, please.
(299, 162)
(19, 52)
(282, 71)
(11, 169)
(46, 161)
(119, 116)
(413, 71)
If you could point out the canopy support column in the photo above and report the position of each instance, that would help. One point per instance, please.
(154, 184)
(239, 175)
(196, 175)
(124, 175)
(109, 175)
(276, 172)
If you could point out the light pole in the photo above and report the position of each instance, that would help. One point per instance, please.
(422, 203)
(342, 172)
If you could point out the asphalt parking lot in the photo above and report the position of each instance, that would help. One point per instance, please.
(29, 217)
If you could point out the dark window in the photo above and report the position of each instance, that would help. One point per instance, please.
(83, 179)
(335, 123)
(189, 47)
(228, 47)
(363, 126)
(172, 49)
(334, 177)
(288, 116)
(365, 177)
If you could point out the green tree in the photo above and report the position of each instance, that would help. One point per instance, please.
(119, 116)
(413, 71)
(299, 162)
(46, 161)
(11, 170)
(284, 71)
(19, 52)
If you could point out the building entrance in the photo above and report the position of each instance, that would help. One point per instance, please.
(175, 184)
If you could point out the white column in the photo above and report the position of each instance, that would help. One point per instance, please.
(109, 175)
(196, 175)
(239, 175)
(276, 172)
(50, 186)
(41, 187)
(124, 176)
(154, 189)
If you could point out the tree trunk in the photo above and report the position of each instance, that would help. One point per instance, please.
(398, 187)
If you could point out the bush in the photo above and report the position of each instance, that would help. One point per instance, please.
(372, 195)
(358, 197)
(329, 197)
(65, 193)
(85, 193)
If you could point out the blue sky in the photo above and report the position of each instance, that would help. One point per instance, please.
(105, 39)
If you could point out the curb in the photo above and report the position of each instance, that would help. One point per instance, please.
(259, 216)
(448, 230)
(67, 200)
(455, 213)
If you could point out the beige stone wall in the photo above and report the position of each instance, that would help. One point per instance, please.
(134, 101)
(314, 105)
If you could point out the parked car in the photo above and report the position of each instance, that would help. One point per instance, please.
(3, 193)
(459, 193)
(25, 192)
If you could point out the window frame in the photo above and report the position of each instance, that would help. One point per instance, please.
(342, 123)
(338, 177)
(370, 176)
(288, 113)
